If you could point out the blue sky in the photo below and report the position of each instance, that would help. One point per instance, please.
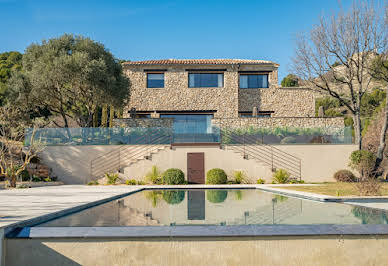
(137, 30)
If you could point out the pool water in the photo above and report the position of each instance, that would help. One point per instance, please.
(217, 207)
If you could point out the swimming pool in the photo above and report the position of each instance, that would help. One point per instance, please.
(220, 207)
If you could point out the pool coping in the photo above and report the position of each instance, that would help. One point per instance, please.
(196, 231)
(320, 197)
(19, 229)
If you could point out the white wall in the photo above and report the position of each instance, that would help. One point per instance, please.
(71, 164)
(319, 162)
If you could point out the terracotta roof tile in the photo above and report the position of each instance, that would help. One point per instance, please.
(199, 62)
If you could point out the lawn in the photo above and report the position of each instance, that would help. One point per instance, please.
(335, 189)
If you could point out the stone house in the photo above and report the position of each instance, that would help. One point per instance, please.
(196, 98)
(228, 90)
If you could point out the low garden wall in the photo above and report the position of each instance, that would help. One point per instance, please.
(319, 162)
(273, 122)
(144, 122)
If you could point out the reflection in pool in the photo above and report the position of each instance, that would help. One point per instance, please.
(217, 207)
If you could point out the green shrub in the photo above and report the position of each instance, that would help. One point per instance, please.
(216, 176)
(47, 179)
(295, 181)
(93, 183)
(240, 177)
(260, 181)
(36, 179)
(24, 175)
(153, 196)
(153, 176)
(344, 176)
(281, 176)
(332, 112)
(141, 183)
(131, 182)
(173, 196)
(363, 161)
(287, 140)
(327, 103)
(217, 196)
(173, 176)
(290, 81)
(112, 178)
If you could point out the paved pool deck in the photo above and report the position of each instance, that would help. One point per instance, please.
(25, 206)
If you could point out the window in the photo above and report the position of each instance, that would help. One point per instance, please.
(253, 81)
(191, 123)
(155, 80)
(198, 80)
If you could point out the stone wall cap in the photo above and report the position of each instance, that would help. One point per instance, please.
(200, 62)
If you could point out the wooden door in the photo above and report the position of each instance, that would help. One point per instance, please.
(196, 168)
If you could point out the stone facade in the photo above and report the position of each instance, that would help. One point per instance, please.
(273, 122)
(285, 102)
(224, 102)
(227, 101)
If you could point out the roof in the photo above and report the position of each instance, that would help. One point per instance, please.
(200, 62)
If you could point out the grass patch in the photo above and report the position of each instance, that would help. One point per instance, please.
(335, 189)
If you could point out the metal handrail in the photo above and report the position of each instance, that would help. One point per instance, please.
(114, 158)
(291, 167)
(264, 152)
(272, 148)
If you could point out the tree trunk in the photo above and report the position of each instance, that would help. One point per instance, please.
(104, 116)
(64, 117)
(95, 117)
(111, 115)
(357, 129)
(13, 181)
(383, 133)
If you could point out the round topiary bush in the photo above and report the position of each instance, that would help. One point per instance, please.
(217, 196)
(173, 196)
(216, 176)
(344, 176)
(173, 176)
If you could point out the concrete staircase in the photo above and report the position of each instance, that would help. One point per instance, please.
(122, 157)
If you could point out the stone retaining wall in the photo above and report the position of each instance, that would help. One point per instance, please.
(273, 122)
(144, 122)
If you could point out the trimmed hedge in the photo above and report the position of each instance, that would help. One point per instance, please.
(173, 196)
(344, 176)
(217, 196)
(173, 176)
(216, 176)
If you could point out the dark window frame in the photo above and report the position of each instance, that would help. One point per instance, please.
(152, 73)
(253, 74)
(206, 72)
(260, 114)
